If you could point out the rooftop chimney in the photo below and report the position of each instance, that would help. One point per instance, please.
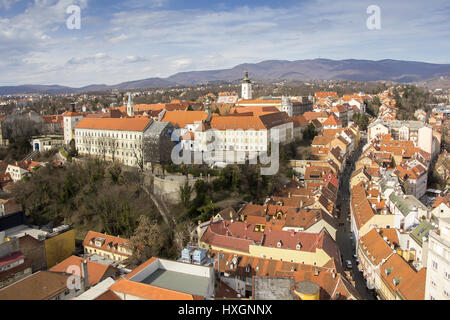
(85, 274)
(72, 106)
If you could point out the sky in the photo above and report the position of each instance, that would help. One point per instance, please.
(121, 41)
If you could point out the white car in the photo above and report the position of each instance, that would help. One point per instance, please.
(348, 264)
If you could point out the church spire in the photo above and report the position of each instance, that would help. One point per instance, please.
(246, 87)
(208, 105)
(130, 105)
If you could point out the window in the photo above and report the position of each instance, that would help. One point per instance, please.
(435, 265)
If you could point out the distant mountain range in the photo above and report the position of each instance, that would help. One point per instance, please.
(272, 70)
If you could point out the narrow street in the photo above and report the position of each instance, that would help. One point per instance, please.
(345, 243)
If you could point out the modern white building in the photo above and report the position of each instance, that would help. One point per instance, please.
(407, 209)
(161, 279)
(438, 264)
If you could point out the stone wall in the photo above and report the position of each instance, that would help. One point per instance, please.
(168, 188)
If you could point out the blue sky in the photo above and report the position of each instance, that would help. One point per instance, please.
(129, 40)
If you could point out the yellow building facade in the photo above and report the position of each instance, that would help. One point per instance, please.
(59, 247)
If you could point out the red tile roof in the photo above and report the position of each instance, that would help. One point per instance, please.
(71, 114)
(96, 271)
(332, 121)
(121, 124)
(182, 118)
(111, 243)
(148, 291)
(4, 261)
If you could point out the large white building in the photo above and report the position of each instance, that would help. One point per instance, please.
(241, 136)
(438, 263)
(112, 138)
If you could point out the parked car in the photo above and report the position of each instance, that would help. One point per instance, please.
(348, 264)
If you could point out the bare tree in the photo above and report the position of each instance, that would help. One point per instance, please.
(138, 154)
(112, 147)
(102, 146)
(147, 239)
(88, 142)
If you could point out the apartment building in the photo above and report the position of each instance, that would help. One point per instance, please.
(416, 131)
(438, 263)
(19, 170)
(110, 247)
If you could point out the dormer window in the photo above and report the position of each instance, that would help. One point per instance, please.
(298, 246)
(396, 281)
(279, 244)
(99, 241)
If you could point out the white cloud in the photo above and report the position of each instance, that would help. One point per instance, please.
(7, 4)
(159, 42)
(134, 59)
(119, 38)
(95, 59)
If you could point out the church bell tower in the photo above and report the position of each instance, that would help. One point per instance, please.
(246, 87)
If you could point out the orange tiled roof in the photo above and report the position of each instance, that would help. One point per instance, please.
(439, 200)
(362, 209)
(409, 283)
(331, 132)
(259, 101)
(325, 94)
(375, 247)
(262, 122)
(111, 243)
(71, 114)
(121, 124)
(332, 121)
(256, 110)
(332, 286)
(108, 295)
(27, 165)
(299, 121)
(182, 118)
(148, 291)
(322, 140)
(96, 271)
(253, 210)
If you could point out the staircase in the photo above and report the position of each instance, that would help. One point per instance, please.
(32, 155)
